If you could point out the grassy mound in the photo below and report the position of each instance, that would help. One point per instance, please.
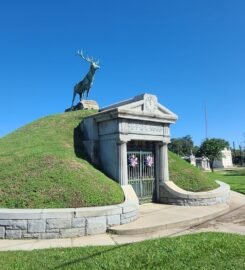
(42, 165)
(39, 167)
(187, 176)
(198, 251)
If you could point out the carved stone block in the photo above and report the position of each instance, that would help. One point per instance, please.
(88, 105)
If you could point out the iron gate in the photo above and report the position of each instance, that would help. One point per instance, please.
(141, 174)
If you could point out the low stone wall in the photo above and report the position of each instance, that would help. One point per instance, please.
(68, 222)
(172, 194)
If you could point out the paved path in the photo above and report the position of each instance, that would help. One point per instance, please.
(155, 221)
(231, 222)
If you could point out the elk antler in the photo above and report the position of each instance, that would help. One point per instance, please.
(88, 59)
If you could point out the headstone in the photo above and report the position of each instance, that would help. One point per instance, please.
(191, 159)
(203, 163)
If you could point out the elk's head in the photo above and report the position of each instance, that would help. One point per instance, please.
(93, 63)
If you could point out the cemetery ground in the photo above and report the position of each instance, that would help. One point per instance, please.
(197, 251)
(235, 177)
(39, 159)
(43, 165)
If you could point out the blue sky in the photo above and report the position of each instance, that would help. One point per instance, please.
(188, 53)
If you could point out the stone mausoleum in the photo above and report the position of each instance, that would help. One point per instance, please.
(225, 160)
(129, 142)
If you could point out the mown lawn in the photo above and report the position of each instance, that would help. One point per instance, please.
(43, 165)
(198, 251)
(187, 176)
(235, 178)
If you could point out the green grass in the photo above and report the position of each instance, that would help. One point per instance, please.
(198, 251)
(42, 166)
(235, 178)
(187, 176)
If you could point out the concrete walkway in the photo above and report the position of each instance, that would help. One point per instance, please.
(156, 220)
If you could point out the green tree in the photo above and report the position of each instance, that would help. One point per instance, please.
(211, 148)
(181, 146)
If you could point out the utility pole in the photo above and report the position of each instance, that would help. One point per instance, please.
(206, 122)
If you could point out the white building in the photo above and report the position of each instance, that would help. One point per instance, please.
(225, 161)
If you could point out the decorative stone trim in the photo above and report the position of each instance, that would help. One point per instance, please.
(172, 194)
(68, 222)
(140, 118)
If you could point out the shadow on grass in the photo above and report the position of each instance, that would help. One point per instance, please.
(79, 148)
(78, 144)
(234, 173)
(84, 258)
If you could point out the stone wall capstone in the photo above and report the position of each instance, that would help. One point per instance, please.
(172, 194)
(68, 222)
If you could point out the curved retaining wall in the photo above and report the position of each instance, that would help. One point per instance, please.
(172, 194)
(68, 222)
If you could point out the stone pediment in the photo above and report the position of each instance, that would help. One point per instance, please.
(143, 105)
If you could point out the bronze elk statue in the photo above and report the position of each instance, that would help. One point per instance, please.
(82, 88)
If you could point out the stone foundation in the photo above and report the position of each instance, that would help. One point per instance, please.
(69, 222)
(172, 194)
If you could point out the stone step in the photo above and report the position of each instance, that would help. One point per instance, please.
(157, 217)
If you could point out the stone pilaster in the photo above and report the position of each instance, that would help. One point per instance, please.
(157, 170)
(165, 162)
(163, 172)
(122, 163)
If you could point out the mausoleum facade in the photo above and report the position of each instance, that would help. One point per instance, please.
(129, 140)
